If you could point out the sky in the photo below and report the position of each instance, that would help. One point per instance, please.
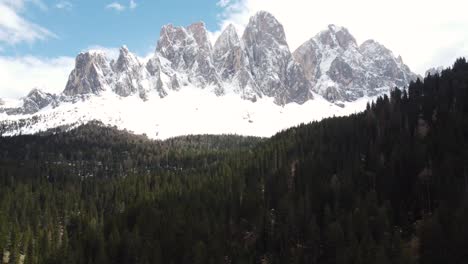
(39, 39)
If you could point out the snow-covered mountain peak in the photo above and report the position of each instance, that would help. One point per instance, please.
(265, 27)
(126, 61)
(371, 47)
(189, 52)
(252, 70)
(174, 44)
(36, 100)
(340, 70)
(228, 39)
(232, 63)
(36, 92)
(200, 34)
(96, 52)
(90, 75)
(30, 104)
(336, 37)
(272, 65)
(229, 56)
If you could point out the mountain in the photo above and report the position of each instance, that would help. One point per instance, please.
(94, 74)
(233, 64)
(190, 53)
(341, 70)
(434, 71)
(275, 72)
(243, 83)
(32, 103)
(387, 185)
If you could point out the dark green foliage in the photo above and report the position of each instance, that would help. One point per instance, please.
(389, 185)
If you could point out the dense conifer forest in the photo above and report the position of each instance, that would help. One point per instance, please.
(389, 185)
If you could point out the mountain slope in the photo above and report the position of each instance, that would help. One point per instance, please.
(341, 70)
(253, 79)
(388, 185)
(189, 111)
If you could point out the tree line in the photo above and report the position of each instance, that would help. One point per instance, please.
(388, 185)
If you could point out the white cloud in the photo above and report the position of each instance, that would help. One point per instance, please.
(424, 32)
(116, 6)
(223, 3)
(111, 53)
(21, 4)
(64, 5)
(18, 75)
(133, 4)
(120, 7)
(14, 28)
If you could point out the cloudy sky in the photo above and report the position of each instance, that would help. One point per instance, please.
(40, 38)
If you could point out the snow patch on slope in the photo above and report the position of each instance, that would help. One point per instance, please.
(188, 111)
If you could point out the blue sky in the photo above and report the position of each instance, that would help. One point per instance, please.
(39, 39)
(78, 25)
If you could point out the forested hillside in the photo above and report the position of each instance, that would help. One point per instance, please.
(389, 185)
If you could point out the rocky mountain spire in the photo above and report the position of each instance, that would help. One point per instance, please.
(91, 75)
(36, 100)
(190, 52)
(272, 66)
(258, 64)
(336, 36)
(200, 34)
(387, 67)
(128, 75)
(340, 70)
(232, 63)
(32, 103)
(178, 46)
(309, 56)
(229, 55)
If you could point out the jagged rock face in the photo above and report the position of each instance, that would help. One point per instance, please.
(128, 75)
(91, 75)
(154, 69)
(332, 64)
(36, 100)
(256, 65)
(309, 56)
(340, 70)
(272, 66)
(199, 33)
(229, 55)
(175, 85)
(178, 46)
(189, 51)
(153, 66)
(231, 61)
(33, 102)
(387, 69)
(336, 37)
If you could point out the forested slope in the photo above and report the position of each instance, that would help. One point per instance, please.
(388, 185)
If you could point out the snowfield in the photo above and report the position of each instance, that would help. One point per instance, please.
(188, 111)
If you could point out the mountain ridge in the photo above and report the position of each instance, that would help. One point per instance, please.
(255, 66)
